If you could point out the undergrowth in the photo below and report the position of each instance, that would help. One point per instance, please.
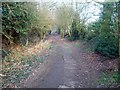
(109, 80)
(18, 64)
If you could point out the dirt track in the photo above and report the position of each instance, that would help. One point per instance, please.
(69, 65)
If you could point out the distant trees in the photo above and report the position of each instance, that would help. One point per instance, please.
(68, 22)
(64, 15)
(103, 33)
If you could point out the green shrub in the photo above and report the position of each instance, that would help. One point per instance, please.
(20, 19)
(16, 19)
(107, 45)
(89, 35)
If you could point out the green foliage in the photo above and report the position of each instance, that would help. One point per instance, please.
(108, 40)
(90, 35)
(68, 22)
(109, 80)
(74, 34)
(21, 19)
(117, 77)
(64, 17)
(43, 23)
(104, 37)
(15, 19)
(106, 45)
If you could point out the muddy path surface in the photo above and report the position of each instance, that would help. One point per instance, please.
(69, 65)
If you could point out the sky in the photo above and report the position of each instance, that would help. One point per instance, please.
(89, 12)
(92, 11)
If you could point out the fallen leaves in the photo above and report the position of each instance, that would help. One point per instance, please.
(17, 65)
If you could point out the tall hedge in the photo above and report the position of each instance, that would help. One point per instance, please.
(16, 19)
(21, 19)
(107, 42)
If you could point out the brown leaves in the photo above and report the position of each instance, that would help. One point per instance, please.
(18, 63)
